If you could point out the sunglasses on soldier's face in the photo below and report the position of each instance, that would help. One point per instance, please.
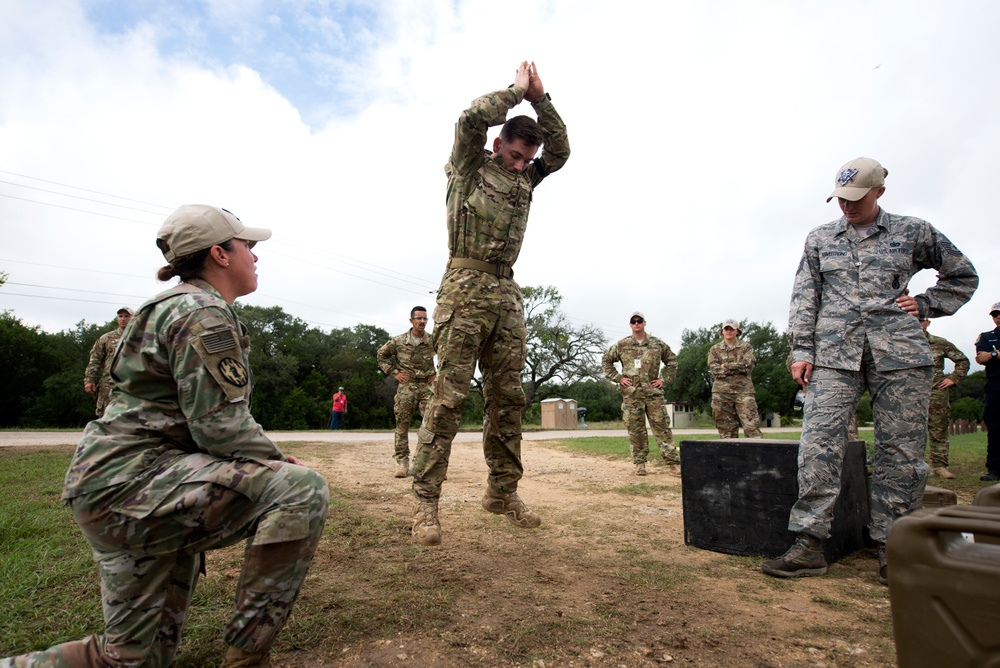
(637, 321)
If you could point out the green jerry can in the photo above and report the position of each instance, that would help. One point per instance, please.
(944, 588)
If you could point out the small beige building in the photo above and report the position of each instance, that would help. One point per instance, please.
(559, 414)
(681, 414)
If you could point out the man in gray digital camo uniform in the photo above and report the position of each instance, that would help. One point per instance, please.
(409, 358)
(854, 327)
(480, 314)
(97, 378)
(641, 385)
(731, 362)
(939, 412)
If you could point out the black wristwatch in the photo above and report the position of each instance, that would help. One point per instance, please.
(993, 353)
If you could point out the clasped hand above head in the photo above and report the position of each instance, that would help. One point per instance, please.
(528, 79)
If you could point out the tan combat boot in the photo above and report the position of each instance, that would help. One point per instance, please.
(237, 658)
(403, 468)
(510, 506)
(804, 558)
(943, 472)
(426, 528)
(640, 469)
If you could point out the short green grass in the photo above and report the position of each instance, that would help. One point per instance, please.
(51, 593)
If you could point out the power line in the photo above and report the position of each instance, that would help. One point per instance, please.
(69, 208)
(52, 287)
(86, 199)
(94, 192)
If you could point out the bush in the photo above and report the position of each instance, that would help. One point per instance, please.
(967, 408)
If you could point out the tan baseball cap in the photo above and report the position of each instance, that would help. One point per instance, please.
(995, 308)
(856, 178)
(636, 314)
(734, 323)
(126, 309)
(195, 227)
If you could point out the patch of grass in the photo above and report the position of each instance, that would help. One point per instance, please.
(51, 590)
(640, 489)
(657, 575)
(48, 581)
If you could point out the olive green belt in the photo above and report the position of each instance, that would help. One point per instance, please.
(500, 270)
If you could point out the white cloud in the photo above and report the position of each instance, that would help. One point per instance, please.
(705, 137)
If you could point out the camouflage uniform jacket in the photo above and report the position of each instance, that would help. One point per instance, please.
(731, 366)
(487, 204)
(400, 354)
(943, 349)
(845, 291)
(99, 368)
(184, 388)
(640, 361)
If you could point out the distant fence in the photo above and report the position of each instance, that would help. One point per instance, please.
(965, 427)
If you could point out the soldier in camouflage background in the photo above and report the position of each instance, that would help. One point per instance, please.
(178, 466)
(641, 385)
(939, 411)
(731, 363)
(479, 314)
(97, 378)
(409, 358)
(854, 326)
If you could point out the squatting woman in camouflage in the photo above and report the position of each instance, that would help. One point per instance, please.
(178, 466)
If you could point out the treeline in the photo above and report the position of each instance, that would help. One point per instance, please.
(297, 368)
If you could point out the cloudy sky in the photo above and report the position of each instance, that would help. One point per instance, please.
(705, 139)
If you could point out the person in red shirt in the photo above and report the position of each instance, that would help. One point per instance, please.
(338, 409)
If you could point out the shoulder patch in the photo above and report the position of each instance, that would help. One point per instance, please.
(950, 248)
(233, 371)
(220, 352)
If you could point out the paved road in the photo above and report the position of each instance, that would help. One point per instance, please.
(12, 438)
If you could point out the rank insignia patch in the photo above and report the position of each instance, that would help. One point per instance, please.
(233, 371)
(846, 176)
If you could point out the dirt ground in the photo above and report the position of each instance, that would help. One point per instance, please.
(605, 581)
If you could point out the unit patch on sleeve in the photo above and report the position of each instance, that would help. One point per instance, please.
(233, 371)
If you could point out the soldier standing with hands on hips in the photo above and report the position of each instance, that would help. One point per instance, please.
(939, 411)
(641, 386)
(409, 358)
(853, 327)
(480, 312)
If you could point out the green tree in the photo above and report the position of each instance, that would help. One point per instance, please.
(557, 351)
(972, 386)
(967, 408)
(297, 368)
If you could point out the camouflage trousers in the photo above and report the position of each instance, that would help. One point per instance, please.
(938, 420)
(103, 397)
(732, 409)
(638, 404)
(477, 317)
(899, 475)
(411, 396)
(149, 556)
